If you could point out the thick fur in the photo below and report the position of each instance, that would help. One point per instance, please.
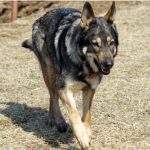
(75, 50)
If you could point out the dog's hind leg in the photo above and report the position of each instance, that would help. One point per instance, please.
(56, 118)
(88, 94)
(49, 75)
(75, 120)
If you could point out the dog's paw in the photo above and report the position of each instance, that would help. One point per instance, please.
(85, 144)
(61, 125)
(84, 141)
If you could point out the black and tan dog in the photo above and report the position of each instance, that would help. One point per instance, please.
(74, 50)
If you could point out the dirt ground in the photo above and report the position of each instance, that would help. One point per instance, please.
(121, 106)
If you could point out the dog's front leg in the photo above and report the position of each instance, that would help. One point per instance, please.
(88, 94)
(75, 120)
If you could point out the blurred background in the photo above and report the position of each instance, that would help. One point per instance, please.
(26, 8)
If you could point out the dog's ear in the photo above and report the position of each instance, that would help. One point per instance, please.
(87, 15)
(110, 15)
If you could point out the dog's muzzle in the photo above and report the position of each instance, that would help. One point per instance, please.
(105, 66)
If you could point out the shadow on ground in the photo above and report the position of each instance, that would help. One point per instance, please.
(35, 120)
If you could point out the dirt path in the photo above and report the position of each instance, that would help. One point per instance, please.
(121, 107)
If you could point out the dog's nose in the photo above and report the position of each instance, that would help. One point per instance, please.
(108, 64)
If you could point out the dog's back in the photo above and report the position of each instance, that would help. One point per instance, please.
(52, 19)
(51, 29)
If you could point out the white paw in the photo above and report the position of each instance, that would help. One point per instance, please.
(85, 144)
(84, 141)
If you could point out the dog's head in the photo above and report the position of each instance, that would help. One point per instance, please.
(100, 38)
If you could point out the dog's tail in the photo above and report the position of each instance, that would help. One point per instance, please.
(28, 44)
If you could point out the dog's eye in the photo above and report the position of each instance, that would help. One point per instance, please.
(94, 42)
(112, 42)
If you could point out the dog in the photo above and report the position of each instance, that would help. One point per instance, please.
(75, 50)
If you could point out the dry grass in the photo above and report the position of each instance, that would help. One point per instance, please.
(121, 107)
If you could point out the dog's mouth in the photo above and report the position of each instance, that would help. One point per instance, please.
(104, 71)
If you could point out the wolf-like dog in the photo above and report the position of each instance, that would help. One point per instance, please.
(75, 49)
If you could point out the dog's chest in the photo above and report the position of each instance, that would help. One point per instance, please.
(75, 86)
(93, 80)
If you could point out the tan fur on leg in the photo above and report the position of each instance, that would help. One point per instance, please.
(88, 94)
(75, 120)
